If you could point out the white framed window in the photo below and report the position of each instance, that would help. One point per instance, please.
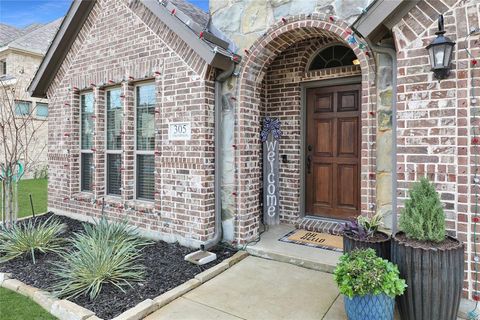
(3, 67)
(86, 141)
(22, 108)
(145, 101)
(113, 130)
(41, 109)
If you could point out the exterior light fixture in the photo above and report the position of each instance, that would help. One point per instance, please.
(440, 51)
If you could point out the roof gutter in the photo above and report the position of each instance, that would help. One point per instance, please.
(380, 16)
(22, 51)
(211, 56)
(217, 236)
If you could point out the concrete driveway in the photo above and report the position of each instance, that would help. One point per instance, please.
(258, 288)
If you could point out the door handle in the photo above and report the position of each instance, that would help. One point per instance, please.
(309, 164)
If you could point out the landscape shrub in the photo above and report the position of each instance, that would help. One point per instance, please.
(423, 217)
(30, 237)
(361, 273)
(105, 253)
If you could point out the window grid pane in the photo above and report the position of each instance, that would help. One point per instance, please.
(114, 175)
(42, 109)
(86, 172)
(145, 177)
(334, 56)
(146, 117)
(22, 108)
(87, 121)
(114, 119)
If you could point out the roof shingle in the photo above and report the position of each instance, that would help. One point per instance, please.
(38, 40)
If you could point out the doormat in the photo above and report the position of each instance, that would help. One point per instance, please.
(314, 239)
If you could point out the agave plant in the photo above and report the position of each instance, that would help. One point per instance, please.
(30, 237)
(105, 253)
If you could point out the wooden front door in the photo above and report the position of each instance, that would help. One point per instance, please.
(332, 157)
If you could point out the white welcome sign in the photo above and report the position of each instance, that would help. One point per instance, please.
(270, 136)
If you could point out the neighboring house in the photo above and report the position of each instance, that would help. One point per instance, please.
(21, 52)
(158, 111)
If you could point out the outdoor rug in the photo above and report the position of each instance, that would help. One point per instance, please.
(314, 239)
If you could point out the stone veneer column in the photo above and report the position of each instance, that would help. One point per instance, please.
(384, 137)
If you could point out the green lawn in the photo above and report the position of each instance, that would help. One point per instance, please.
(38, 189)
(14, 306)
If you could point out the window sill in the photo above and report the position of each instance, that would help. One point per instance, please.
(141, 204)
(83, 196)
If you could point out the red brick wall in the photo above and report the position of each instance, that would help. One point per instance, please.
(115, 44)
(435, 118)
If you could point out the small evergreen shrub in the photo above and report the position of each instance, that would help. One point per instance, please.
(423, 217)
(105, 253)
(31, 237)
(361, 272)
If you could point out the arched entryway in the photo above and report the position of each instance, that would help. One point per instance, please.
(276, 80)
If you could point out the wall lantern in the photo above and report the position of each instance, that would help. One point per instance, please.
(440, 51)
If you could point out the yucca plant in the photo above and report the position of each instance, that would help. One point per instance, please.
(31, 237)
(105, 253)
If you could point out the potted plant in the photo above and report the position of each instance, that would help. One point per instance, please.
(369, 285)
(362, 232)
(431, 262)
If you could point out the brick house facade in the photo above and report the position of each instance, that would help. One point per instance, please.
(404, 124)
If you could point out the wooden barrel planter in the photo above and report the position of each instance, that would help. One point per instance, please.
(380, 243)
(434, 276)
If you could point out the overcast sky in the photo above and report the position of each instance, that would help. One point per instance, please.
(21, 13)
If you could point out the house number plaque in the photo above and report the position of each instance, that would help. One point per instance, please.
(270, 137)
(179, 131)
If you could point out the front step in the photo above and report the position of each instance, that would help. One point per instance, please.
(321, 225)
(269, 247)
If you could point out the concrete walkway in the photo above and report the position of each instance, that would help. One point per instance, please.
(258, 288)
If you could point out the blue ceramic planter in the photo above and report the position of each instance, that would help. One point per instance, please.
(370, 307)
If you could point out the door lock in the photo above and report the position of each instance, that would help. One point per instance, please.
(309, 159)
(309, 164)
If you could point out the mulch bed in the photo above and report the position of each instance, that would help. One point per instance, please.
(165, 269)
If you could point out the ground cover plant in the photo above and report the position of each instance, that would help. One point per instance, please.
(14, 306)
(31, 237)
(164, 269)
